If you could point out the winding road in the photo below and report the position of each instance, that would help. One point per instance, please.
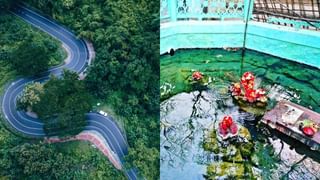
(33, 127)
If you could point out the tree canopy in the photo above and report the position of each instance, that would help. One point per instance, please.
(31, 57)
(125, 72)
(63, 104)
(5, 4)
(72, 160)
(27, 50)
(28, 159)
(30, 96)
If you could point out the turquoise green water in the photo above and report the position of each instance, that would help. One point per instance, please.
(187, 116)
(301, 82)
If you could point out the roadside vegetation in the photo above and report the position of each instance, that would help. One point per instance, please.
(26, 50)
(15, 32)
(31, 159)
(61, 103)
(125, 72)
(26, 159)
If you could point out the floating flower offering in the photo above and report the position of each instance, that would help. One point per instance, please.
(199, 80)
(197, 76)
(245, 90)
(227, 127)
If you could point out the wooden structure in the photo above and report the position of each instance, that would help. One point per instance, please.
(287, 116)
(302, 14)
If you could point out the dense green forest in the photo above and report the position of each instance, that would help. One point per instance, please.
(26, 159)
(30, 159)
(25, 49)
(125, 72)
(61, 103)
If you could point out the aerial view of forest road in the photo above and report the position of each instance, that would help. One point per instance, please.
(79, 89)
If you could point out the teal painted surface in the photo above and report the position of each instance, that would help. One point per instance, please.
(172, 9)
(248, 9)
(203, 9)
(302, 46)
(164, 9)
(299, 53)
(295, 23)
(199, 35)
(287, 34)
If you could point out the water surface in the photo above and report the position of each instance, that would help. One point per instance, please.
(187, 115)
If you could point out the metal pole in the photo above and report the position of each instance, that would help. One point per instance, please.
(247, 17)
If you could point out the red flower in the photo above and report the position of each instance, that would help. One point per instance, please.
(224, 125)
(227, 125)
(234, 128)
(197, 76)
(222, 131)
(227, 120)
(247, 76)
(247, 80)
(251, 95)
(260, 93)
(236, 89)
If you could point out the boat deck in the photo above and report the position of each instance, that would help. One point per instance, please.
(286, 116)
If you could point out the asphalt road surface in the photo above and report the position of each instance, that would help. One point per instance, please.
(33, 127)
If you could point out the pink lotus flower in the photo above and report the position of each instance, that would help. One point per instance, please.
(233, 129)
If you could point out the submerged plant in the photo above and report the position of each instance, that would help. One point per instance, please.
(234, 150)
(264, 158)
(166, 89)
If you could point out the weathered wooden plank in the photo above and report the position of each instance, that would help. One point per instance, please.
(277, 119)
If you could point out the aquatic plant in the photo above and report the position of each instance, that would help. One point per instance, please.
(166, 90)
(263, 157)
(232, 151)
(249, 99)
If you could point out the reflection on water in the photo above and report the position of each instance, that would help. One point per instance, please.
(185, 121)
(187, 115)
